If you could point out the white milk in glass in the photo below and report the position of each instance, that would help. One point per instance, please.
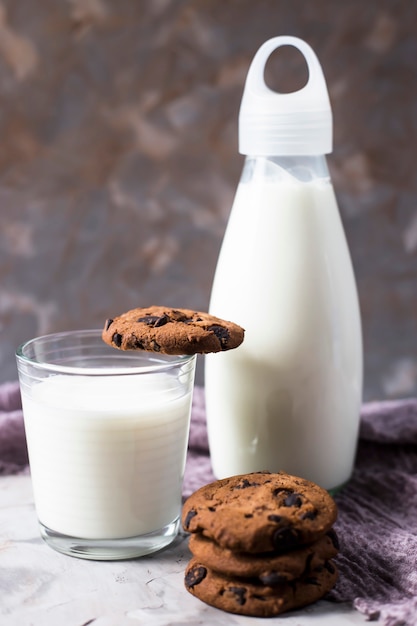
(104, 465)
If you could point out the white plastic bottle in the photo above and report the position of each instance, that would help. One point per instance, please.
(289, 397)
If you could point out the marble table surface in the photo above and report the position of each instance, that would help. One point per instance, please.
(40, 587)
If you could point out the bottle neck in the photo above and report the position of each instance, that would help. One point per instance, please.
(280, 168)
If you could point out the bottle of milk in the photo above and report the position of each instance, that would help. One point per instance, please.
(289, 397)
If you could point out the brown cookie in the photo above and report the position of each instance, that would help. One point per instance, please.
(269, 567)
(260, 512)
(171, 331)
(239, 595)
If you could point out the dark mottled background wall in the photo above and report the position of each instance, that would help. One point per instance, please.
(118, 157)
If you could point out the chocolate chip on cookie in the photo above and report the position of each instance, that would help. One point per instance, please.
(171, 331)
(260, 512)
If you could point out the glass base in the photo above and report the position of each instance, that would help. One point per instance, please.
(335, 490)
(111, 549)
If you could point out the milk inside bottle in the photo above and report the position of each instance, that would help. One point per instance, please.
(289, 397)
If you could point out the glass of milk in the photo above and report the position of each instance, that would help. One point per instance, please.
(107, 434)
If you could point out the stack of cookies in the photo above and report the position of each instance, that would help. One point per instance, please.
(262, 543)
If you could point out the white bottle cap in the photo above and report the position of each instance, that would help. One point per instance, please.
(297, 123)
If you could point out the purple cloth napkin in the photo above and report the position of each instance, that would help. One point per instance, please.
(377, 523)
(13, 451)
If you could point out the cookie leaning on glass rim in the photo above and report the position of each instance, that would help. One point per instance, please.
(171, 331)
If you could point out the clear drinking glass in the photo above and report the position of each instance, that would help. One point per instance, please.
(107, 434)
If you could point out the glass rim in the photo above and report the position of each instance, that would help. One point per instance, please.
(163, 362)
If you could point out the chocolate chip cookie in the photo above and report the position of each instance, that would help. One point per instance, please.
(171, 331)
(260, 512)
(249, 597)
(269, 568)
